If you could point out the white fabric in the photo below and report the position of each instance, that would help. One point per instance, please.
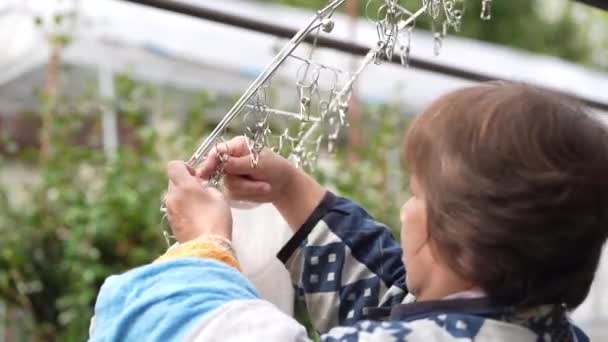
(248, 320)
(259, 233)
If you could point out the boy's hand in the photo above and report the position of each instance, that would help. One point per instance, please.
(294, 193)
(267, 182)
(193, 208)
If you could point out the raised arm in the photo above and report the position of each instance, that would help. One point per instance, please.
(342, 262)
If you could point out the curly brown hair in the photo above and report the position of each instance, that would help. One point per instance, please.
(516, 185)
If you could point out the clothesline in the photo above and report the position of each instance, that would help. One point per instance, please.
(352, 48)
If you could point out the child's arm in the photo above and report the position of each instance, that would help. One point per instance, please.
(341, 260)
(342, 263)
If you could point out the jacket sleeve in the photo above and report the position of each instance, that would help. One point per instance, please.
(342, 263)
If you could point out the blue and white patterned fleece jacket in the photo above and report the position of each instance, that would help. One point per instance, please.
(347, 270)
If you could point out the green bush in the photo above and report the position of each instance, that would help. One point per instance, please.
(86, 216)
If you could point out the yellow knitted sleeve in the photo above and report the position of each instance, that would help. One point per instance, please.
(206, 246)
